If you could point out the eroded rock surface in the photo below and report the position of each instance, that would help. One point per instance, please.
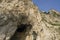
(21, 20)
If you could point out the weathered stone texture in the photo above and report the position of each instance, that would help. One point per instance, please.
(21, 20)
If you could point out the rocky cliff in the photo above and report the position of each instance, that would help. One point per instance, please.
(22, 20)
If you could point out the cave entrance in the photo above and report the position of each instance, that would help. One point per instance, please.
(20, 33)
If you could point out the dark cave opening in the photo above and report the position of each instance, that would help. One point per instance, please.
(22, 28)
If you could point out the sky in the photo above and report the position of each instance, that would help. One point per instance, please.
(46, 5)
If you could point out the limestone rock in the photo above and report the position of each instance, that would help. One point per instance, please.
(22, 20)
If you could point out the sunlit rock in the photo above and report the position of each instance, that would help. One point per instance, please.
(22, 20)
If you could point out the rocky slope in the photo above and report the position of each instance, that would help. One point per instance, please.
(22, 20)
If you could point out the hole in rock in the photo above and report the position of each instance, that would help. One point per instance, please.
(20, 32)
(21, 28)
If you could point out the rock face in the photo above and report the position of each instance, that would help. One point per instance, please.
(21, 20)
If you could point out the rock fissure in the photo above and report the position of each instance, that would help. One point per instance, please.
(21, 31)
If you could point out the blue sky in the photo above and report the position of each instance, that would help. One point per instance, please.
(46, 5)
